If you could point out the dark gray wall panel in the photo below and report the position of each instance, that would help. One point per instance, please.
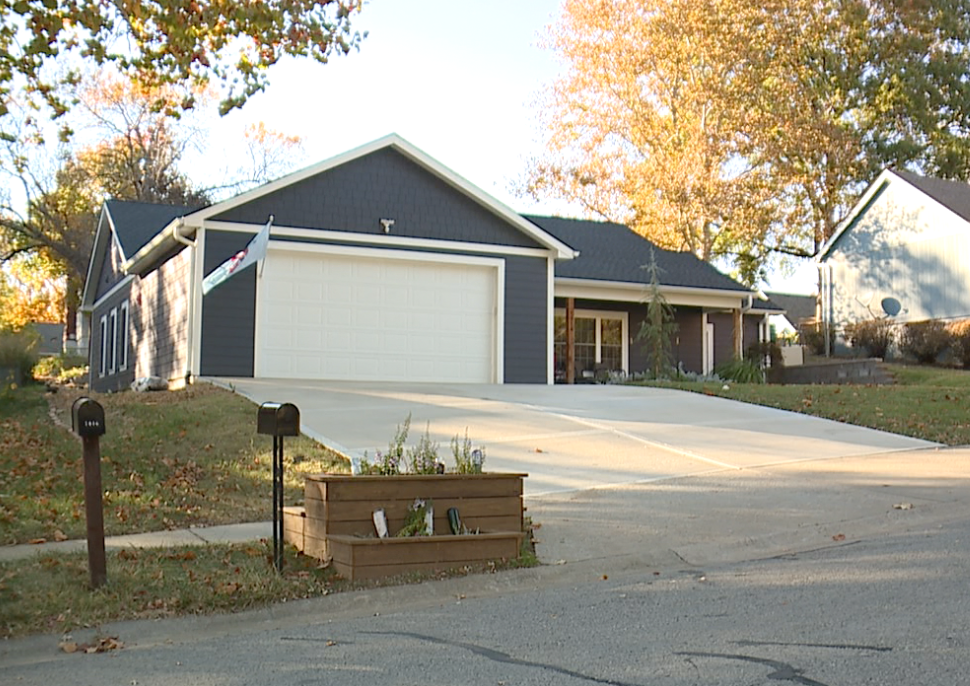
(111, 272)
(686, 345)
(229, 311)
(120, 380)
(526, 302)
(384, 184)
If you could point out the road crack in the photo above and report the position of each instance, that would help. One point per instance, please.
(783, 671)
(504, 658)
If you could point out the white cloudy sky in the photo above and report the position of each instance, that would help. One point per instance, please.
(460, 80)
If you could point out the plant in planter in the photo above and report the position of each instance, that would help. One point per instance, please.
(467, 460)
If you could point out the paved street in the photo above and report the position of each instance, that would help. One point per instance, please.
(892, 610)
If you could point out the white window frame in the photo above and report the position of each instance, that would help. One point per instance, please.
(113, 348)
(103, 366)
(599, 315)
(123, 341)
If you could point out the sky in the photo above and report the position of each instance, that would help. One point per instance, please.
(460, 80)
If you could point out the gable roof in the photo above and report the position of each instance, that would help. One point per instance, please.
(136, 223)
(612, 252)
(952, 195)
(131, 225)
(796, 307)
(395, 142)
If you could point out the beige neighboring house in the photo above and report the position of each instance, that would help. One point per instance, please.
(902, 252)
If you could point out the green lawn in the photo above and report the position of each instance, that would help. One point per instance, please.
(169, 460)
(926, 402)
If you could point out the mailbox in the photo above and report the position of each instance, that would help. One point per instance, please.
(87, 417)
(278, 419)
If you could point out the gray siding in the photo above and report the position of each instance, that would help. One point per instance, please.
(160, 320)
(111, 272)
(228, 312)
(120, 379)
(526, 302)
(382, 185)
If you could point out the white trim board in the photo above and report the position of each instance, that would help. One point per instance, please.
(379, 240)
(618, 291)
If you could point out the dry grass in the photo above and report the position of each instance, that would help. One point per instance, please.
(169, 460)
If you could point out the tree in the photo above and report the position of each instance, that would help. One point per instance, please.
(737, 129)
(136, 160)
(659, 327)
(161, 42)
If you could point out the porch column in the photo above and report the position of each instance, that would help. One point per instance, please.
(570, 340)
(738, 334)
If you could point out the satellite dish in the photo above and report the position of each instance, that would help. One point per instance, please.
(891, 306)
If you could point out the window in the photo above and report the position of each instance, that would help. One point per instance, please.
(113, 341)
(598, 342)
(103, 364)
(123, 338)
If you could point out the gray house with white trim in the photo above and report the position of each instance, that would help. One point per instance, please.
(383, 265)
(902, 251)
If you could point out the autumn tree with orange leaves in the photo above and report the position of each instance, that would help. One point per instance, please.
(736, 130)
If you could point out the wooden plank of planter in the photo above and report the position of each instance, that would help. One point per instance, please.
(365, 558)
(362, 510)
(410, 486)
(366, 528)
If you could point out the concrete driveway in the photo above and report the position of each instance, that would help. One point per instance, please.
(570, 438)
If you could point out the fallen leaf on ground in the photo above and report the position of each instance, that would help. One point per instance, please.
(59, 535)
(838, 537)
(903, 506)
(68, 646)
(37, 541)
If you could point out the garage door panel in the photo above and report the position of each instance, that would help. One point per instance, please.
(353, 317)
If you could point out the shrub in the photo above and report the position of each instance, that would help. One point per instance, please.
(875, 336)
(812, 337)
(741, 371)
(960, 340)
(924, 340)
(18, 350)
(61, 368)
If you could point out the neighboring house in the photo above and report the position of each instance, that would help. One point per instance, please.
(901, 252)
(383, 265)
(799, 310)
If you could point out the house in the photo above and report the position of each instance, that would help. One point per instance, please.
(799, 310)
(901, 252)
(383, 265)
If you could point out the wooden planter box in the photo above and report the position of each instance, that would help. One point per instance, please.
(338, 522)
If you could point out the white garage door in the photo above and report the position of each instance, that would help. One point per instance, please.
(344, 316)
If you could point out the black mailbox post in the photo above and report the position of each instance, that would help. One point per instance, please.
(87, 418)
(278, 420)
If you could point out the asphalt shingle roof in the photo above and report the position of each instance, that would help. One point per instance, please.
(612, 252)
(955, 195)
(797, 307)
(136, 223)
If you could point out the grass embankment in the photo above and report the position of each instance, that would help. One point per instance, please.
(169, 460)
(926, 402)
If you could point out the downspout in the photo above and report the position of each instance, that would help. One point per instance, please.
(179, 238)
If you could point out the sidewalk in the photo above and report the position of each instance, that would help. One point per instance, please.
(719, 516)
(232, 533)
